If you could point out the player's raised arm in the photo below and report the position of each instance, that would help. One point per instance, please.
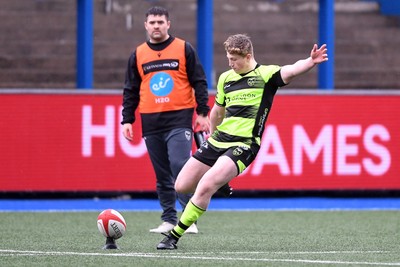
(317, 55)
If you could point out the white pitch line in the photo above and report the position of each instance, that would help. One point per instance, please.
(183, 256)
(291, 252)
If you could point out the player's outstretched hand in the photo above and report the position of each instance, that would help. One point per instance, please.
(319, 55)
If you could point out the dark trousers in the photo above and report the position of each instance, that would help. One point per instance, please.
(168, 152)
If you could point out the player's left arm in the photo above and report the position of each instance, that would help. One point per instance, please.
(317, 55)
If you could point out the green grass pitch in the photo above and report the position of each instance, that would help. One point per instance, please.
(254, 238)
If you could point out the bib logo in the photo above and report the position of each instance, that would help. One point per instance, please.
(161, 84)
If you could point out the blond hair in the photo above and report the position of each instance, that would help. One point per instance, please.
(239, 44)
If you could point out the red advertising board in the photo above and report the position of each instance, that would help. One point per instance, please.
(73, 142)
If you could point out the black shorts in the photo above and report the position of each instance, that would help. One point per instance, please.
(242, 156)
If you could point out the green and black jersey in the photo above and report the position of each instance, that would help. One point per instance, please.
(247, 99)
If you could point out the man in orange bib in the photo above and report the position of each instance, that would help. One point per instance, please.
(165, 79)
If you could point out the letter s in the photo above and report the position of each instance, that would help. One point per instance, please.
(377, 150)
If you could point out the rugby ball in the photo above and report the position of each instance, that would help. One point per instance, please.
(111, 224)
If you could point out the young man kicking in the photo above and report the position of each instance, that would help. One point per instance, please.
(242, 104)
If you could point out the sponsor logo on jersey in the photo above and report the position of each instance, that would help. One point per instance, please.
(161, 84)
(160, 65)
(241, 97)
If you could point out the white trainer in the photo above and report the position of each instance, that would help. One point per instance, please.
(165, 227)
(192, 229)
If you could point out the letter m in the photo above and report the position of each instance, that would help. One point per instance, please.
(302, 145)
